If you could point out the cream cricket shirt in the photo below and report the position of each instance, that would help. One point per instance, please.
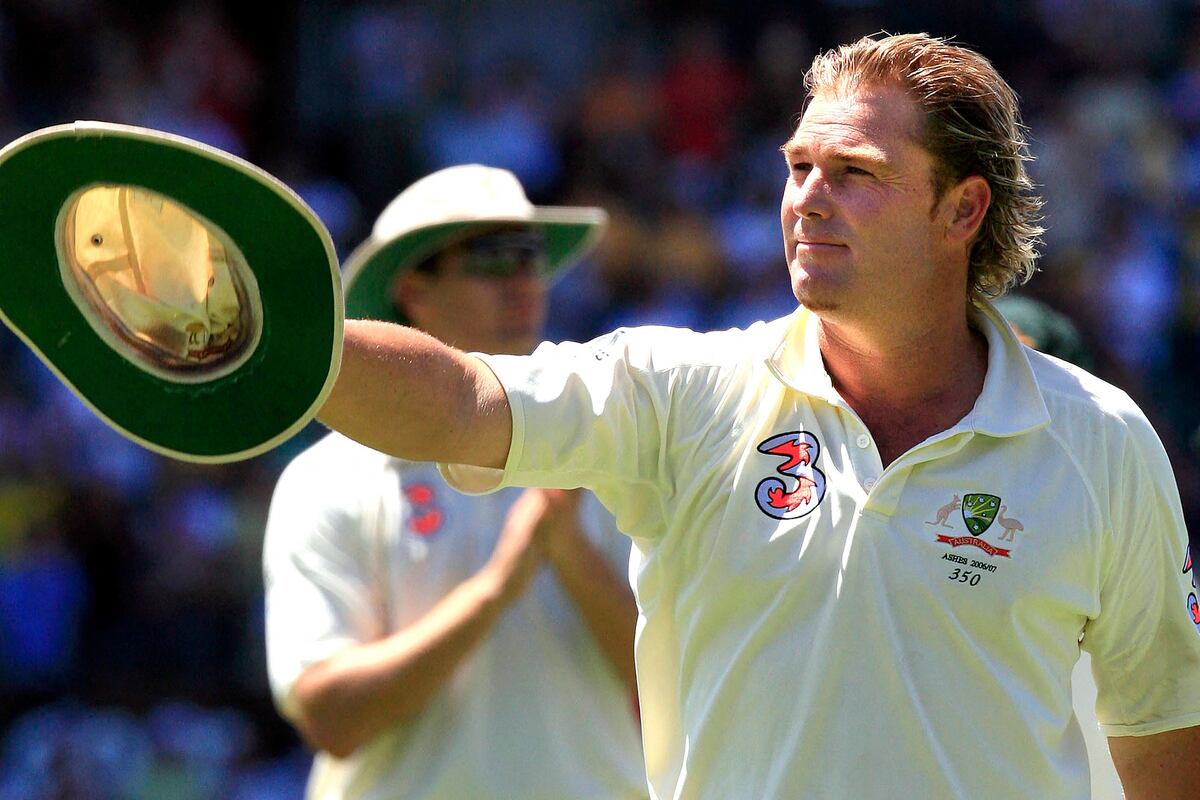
(814, 625)
(360, 545)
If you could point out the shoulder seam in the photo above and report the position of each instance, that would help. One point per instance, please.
(1089, 402)
(1083, 476)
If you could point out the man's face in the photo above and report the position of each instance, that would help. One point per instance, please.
(485, 294)
(858, 231)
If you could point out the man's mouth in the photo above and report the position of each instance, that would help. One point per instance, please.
(809, 244)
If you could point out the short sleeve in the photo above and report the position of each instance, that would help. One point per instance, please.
(590, 415)
(1145, 641)
(634, 416)
(318, 575)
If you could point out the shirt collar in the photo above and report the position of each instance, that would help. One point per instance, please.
(1011, 402)
(796, 360)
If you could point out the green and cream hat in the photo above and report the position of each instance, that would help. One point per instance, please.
(186, 296)
(449, 205)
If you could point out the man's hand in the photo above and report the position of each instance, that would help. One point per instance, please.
(521, 548)
(352, 697)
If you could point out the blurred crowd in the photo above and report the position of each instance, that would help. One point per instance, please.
(131, 660)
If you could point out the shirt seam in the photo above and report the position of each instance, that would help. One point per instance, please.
(1108, 532)
(1083, 476)
(1105, 527)
(1187, 720)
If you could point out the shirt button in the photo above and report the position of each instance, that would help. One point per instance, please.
(863, 440)
(870, 484)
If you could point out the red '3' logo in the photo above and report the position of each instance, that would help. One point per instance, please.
(803, 486)
(1193, 604)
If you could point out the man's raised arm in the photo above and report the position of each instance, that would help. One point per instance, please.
(405, 393)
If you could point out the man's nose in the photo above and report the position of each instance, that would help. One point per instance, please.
(811, 198)
(525, 278)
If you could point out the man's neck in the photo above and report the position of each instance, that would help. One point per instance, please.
(907, 384)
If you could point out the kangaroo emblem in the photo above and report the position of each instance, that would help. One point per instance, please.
(945, 511)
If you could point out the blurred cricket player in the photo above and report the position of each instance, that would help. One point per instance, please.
(433, 645)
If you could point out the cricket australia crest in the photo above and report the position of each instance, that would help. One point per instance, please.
(979, 511)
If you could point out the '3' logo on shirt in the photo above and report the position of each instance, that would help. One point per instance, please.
(802, 487)
(426, 517)
(1193, 604)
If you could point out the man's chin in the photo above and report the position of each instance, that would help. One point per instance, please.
(817, 302)
(817, 286)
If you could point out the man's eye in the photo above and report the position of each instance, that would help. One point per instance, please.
(801, 166)
(857, 171)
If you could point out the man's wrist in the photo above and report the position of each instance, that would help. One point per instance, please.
(496, 587)
(565, 545)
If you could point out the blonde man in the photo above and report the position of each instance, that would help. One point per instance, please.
(802, 631)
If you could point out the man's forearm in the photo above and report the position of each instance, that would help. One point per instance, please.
(405, 393)
(356, 695)
(602, 598)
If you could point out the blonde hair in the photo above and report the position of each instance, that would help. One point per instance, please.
(971, 126)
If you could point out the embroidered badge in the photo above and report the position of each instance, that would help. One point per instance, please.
(979, 512)
(426, 518)
(803, 486)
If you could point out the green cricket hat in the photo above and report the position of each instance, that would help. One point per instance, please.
(449, 205)
(1047, 330)
(189, 298)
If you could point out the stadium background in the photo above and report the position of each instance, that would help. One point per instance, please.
(131, 657)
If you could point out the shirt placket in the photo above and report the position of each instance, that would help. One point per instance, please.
(880, 487)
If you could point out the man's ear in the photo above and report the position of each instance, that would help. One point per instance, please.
(967, 203)
(408, 293)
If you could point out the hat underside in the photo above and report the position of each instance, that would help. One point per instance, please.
(273, 391)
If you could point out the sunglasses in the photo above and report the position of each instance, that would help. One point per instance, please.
(503, 254)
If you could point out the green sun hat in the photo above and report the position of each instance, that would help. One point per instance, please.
(1045, 329)
(189, 298)
(449, 205)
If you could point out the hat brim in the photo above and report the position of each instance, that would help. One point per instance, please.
(570, 233)
(240, 413)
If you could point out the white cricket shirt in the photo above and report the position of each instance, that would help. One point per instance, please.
(814, 625)
(360, 545)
